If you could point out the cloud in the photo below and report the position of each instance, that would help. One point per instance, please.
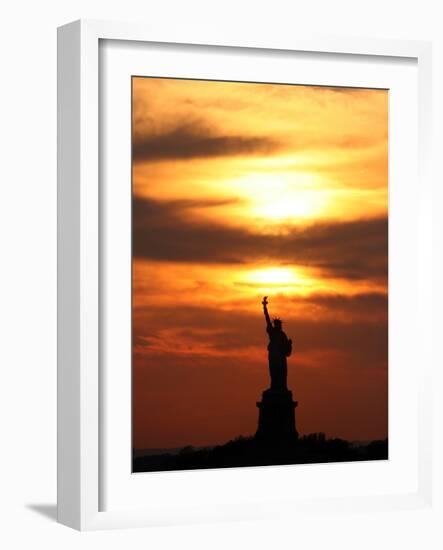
(191, 140)
(165, 230)
(365, 306)
(209, 331)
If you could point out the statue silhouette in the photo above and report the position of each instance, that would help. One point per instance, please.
(279, 348)
(276, 418)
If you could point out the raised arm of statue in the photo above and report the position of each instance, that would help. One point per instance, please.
(265, 311)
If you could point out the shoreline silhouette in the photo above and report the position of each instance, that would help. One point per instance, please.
(248, 452)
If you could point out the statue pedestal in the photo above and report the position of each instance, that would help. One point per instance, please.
(276, 419)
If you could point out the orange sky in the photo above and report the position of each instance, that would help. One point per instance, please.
(243, 190)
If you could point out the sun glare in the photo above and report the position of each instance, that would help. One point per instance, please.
(276, 278)
(281, 196)
(276, 275)
(285, 208)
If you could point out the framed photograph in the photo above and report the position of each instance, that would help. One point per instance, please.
(244, 314)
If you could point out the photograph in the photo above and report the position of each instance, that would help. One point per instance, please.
(259, 274)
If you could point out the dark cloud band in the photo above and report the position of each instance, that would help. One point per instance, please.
(190, 141)
(166, 231)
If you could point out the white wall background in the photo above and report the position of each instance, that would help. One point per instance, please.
(28, 266)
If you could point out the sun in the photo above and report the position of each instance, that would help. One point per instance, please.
(274, 275)
(283, 196)
(289, 207)
(276, 279)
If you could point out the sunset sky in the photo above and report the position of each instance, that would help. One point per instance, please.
(243, 190)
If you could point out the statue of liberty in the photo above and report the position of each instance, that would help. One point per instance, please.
(279, 348)
(276, 418)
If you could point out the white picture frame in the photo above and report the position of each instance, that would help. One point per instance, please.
(80, 370)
